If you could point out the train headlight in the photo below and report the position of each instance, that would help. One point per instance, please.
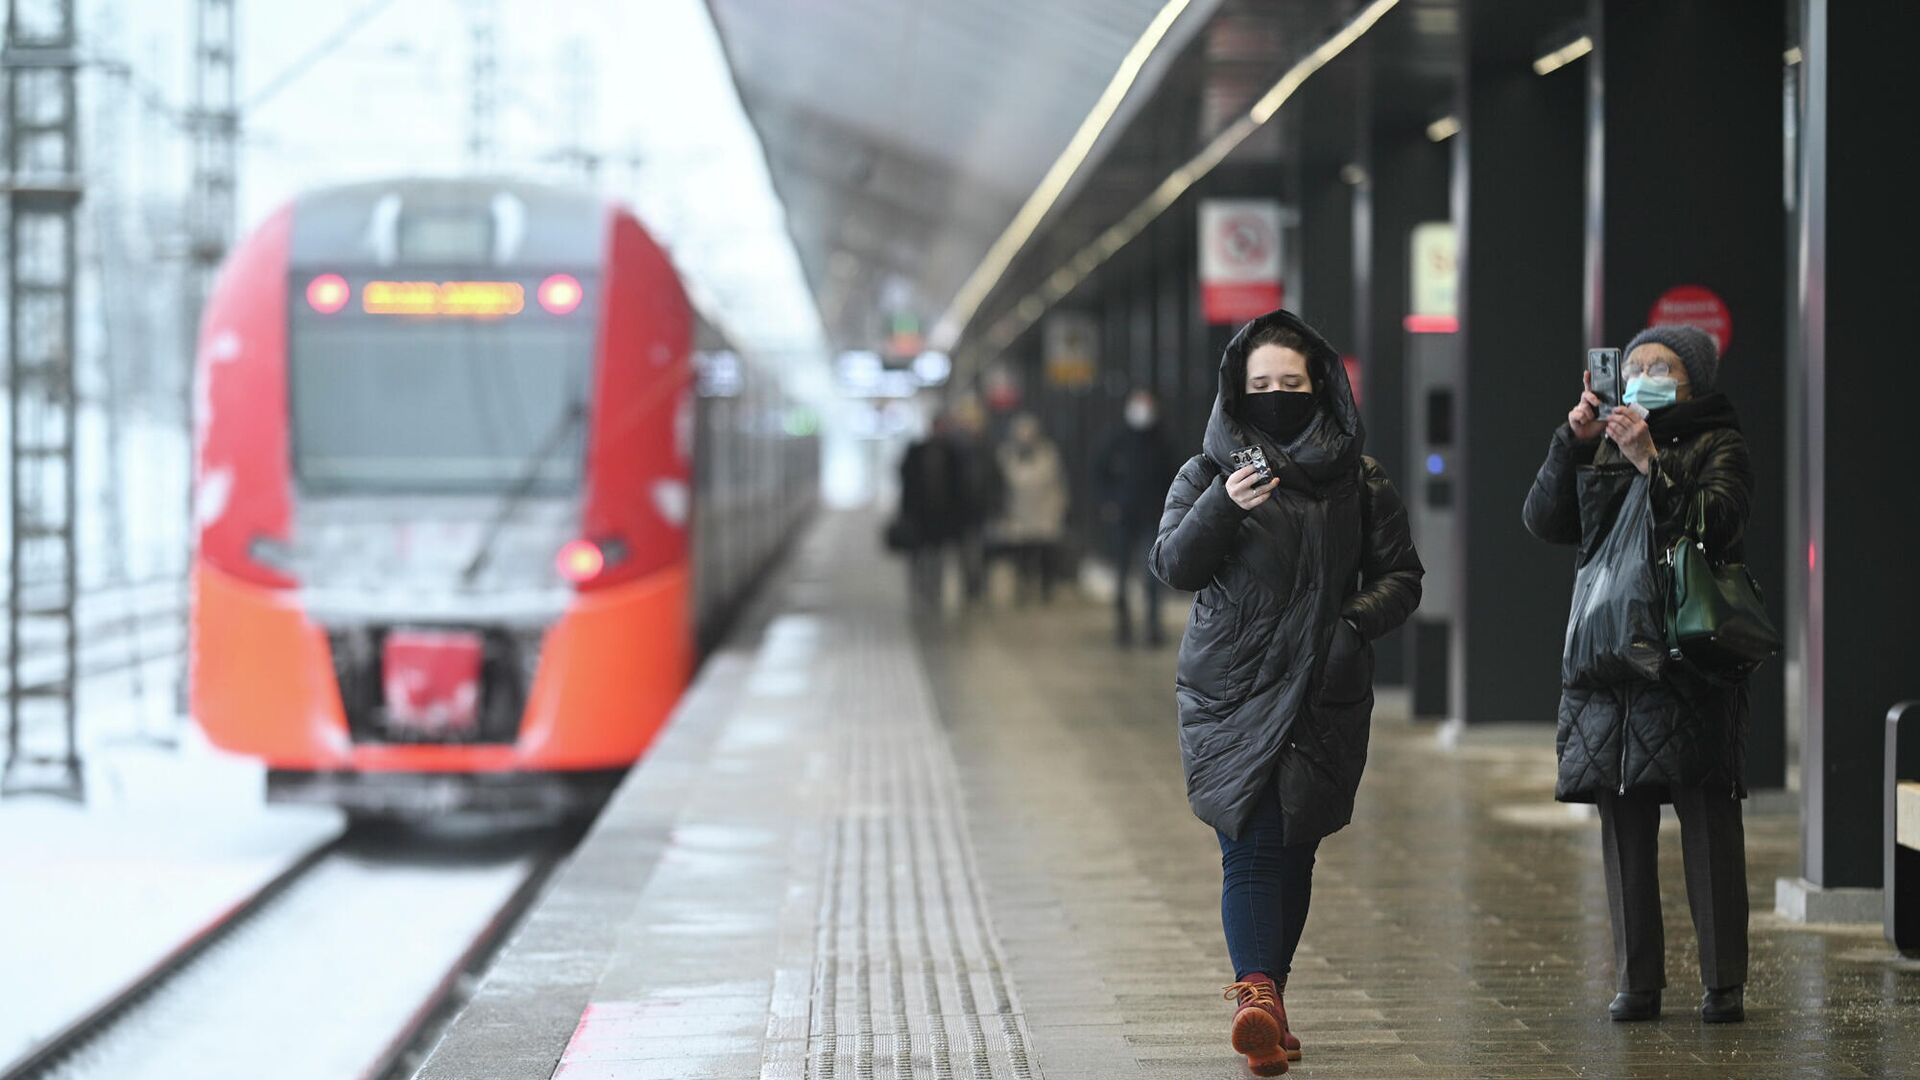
(560, 294)
(581, 561)
(328, 293)
(584, 561)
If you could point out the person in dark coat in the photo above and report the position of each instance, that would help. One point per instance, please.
(1133, 470)
(980, 492)
(1295, 577)
(1681, 739)
(935, 510)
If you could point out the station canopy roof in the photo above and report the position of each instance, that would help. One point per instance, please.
(904, 136)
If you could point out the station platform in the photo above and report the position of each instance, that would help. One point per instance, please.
(879, 845)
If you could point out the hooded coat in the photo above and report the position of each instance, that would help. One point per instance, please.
(1275, 676)
(1682, 730)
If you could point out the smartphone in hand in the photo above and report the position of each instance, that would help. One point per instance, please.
(1603, 372)
(1254, 456)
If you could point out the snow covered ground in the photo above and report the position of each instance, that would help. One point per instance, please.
(94, 894)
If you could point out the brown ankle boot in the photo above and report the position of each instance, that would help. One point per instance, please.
(1288, 1040)
(1259, 1027)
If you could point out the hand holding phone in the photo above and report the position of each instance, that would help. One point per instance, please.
(1603, 380)
(1587, 418)
(1252, 480)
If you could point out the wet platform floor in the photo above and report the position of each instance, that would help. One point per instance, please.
(881, 846)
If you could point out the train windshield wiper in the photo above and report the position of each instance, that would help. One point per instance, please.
(516, 496)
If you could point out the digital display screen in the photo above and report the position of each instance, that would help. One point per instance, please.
(1440, 417)
(470, 298)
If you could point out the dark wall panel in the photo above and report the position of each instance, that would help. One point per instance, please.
(1691, 193)
(1518, 162)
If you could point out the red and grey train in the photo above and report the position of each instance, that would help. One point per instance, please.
(463, 505)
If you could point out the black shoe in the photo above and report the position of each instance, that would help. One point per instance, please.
(1635, 1005)
(1724, 1006)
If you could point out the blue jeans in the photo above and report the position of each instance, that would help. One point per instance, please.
(1265, 889)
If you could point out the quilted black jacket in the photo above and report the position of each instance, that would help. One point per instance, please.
(1680, 730)
(1273, 685)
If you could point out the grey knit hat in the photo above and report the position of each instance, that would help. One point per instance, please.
(1693, 345)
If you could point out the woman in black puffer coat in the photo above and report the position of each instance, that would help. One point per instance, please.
(1682, 739)
(1295, 575)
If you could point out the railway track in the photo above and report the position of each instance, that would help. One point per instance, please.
(339, 968)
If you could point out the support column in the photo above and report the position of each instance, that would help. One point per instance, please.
(1325, 129)
(1518, 189)
(1851, 622)
(1406, 185)
(1685, 190)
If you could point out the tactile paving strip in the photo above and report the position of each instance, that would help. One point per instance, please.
(908, 980)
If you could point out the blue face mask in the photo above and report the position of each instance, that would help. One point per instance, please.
(1650, 392)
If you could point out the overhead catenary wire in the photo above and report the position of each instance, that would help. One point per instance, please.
(343, 33)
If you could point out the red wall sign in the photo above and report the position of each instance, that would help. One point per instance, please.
(1239, 258)
(1694, 305)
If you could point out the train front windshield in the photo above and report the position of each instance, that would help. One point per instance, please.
(440, 384)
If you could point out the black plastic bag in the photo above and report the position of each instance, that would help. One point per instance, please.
(1616, 630)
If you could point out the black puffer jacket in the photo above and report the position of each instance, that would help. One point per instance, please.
(1681, 730)
(1274, 686)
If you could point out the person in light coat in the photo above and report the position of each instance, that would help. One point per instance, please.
(1035, 515)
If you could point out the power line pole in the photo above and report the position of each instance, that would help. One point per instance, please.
(41, 59)
(215, 128)
(483, 84)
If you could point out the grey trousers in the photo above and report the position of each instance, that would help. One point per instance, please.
(1714, 854)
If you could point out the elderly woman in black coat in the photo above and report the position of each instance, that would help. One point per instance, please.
(1298, 567)
(1681, 739)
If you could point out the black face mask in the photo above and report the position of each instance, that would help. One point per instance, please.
(1279, 414)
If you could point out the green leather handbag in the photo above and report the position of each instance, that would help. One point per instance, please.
(1716, 618)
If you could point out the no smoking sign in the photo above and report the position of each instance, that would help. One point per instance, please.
(1239, 258)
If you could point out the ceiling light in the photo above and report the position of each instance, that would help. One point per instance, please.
(1121, 232)
(986, 275)
(1564, 55)
(1444, 128)
(932, 367)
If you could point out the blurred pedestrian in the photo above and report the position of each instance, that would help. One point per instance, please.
(1680, 739)
(933, 510)
(1299, 559)
(1133, 470)
(1034, 517)
(980, 492)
